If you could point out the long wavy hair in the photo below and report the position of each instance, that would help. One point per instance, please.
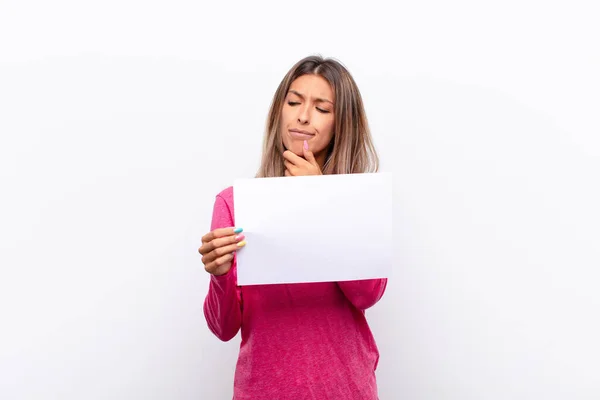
(351, 149)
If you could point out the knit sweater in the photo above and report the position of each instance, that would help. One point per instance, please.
(298, 341)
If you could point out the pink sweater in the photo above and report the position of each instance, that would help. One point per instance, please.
(299, 341)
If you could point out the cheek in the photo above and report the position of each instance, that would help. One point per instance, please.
(326, 128)
(283, 124)
(285, 115)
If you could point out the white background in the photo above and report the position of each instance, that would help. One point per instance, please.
(120, 121)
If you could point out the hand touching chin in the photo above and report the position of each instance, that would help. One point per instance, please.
(296, 165)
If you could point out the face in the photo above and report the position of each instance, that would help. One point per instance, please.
(308, 114)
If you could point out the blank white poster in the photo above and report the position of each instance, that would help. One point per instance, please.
(314, 228)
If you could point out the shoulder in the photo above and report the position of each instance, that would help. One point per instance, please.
(225, 199)
(223, 214)
(227, 195)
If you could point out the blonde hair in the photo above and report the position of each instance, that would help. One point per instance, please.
(351, 149)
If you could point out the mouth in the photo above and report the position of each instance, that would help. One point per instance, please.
(300, 134)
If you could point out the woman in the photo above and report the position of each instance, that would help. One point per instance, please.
(299, 341)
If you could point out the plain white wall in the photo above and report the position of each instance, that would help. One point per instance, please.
(121, 120)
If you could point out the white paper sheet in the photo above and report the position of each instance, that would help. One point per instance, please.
(314, 228)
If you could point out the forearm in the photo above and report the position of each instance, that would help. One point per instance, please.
(363, 294)
(222, 307)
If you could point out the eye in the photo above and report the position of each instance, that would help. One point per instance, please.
(293, 103)
(323, 111)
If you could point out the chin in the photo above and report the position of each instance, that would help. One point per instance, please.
(296, 147)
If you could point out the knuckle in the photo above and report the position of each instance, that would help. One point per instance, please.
(206, 260)
(226, 259)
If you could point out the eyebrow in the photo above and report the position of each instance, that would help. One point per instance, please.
(320, 99)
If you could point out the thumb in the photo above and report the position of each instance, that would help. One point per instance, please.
(308, 155)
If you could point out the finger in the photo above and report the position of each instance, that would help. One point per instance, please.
(308, 155)
(219, 262)
(291, 168)
(292, 157)
(220, 252)
(220, 232)
(287, 173)
(288, 164)
(219, 242)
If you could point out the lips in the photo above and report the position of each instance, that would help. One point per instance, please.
(299, 134)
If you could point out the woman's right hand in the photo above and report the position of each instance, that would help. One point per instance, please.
(218, 248)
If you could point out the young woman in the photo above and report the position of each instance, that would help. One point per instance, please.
(299, 341)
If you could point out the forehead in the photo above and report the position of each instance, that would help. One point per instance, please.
(313, 86)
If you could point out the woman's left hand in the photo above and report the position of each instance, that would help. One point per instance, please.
(298, 166)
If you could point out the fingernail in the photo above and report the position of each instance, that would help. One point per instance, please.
(237, 230)
(305, 145)
(242, 243)
(239, 237)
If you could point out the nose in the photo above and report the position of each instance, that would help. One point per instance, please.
(303, 116)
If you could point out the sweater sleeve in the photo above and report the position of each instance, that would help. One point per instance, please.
(223, 303)
(363, 294)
